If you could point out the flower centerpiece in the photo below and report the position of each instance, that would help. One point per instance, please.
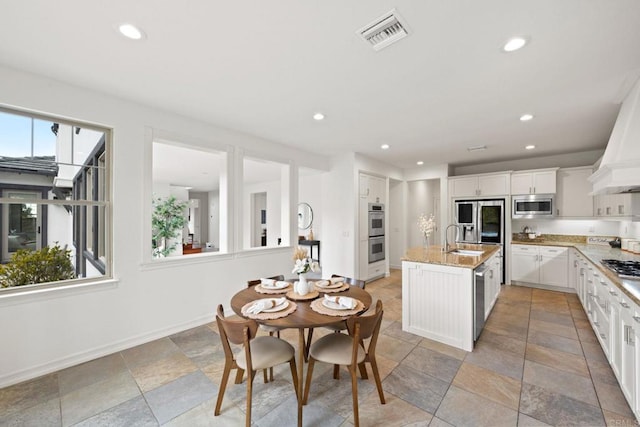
(426, 224)
(303, 264)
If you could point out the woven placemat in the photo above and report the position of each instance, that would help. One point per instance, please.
(344, 287)
(262, 290)
(268, 316)
(318, 307)
(292, 295)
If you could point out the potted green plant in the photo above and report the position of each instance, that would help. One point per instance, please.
(167, 221)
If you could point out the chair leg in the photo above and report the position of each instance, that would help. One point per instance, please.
(307, 345)
(250, 376)
(221, 389)
(376, 376)
(363, 371)
(354, 390)
(239, 376)
(294, 376)
(336, 372)
(308, 382)
(264, 374)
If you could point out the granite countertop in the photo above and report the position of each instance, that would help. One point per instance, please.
(595, 254)
(435, 255)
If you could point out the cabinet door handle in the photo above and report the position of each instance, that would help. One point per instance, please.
(603, 336)
(626, 333)
(636, 318)
(597, 324)
(624, 304)
(614, 293)
(603, 283)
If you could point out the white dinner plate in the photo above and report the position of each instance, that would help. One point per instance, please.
(329, 285)
(275, 285)
(276, 308)
(334, 305)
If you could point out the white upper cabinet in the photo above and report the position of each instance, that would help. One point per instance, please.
(573, 199)
(542, 181)
(373, 188)
(479, 185)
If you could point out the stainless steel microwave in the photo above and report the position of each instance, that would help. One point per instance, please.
(533, 206)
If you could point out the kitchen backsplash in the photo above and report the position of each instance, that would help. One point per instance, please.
(552, 238)
(586, 227)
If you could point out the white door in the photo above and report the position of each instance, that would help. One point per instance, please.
(21, 223)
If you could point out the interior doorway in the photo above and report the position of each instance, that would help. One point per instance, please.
(259, 219)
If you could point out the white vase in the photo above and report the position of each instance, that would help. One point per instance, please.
(302, 286)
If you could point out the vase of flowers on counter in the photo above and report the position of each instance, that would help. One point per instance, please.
(303, 264)
(426, 225)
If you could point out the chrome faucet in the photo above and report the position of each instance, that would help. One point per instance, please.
(446, 234)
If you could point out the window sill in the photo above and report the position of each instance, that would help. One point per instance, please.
(170, 262)
(13, 296)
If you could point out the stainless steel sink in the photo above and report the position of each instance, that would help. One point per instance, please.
(466, 252)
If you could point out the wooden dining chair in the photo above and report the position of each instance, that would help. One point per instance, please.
(350, 350)
(338, 326)
(257, 353)
(270, 329)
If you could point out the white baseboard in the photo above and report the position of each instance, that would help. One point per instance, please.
(546, 287)
(94, 353)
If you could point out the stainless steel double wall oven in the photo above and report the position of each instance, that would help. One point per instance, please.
(376, 232)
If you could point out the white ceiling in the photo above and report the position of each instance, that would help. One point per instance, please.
(265, 67)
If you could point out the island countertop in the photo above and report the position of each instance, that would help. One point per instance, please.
(435, 255)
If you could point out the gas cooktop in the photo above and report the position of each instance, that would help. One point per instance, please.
(624, 269)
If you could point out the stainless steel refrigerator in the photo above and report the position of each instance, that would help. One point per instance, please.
(481, 222)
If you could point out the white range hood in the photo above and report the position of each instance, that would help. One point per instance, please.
(619, 170)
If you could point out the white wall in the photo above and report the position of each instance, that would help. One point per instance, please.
(214, 218)
(339, 218)
(440, 172)
(420, 200)
(310, 191)
(396, 217)
(148, 299)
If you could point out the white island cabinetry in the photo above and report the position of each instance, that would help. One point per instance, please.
(438, 297)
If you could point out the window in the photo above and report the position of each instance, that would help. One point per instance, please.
(54, 193)
(189, 182)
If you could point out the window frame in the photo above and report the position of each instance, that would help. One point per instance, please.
(76, 206)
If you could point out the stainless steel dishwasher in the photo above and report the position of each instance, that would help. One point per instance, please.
(478, 300)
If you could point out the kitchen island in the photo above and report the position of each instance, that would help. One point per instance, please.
(438, 299)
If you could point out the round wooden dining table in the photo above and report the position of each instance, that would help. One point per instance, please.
(304, 317)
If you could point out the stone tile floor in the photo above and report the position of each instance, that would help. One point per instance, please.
(537, 363)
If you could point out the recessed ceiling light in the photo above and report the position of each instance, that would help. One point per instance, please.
(385, 146)
(530, 147)
(526, 117)
(515, 43)
(318, 116)
(420, 163)
(130, 31)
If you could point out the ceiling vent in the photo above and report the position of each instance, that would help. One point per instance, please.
(384, 31)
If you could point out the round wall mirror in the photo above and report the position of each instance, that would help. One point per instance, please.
(305, 216)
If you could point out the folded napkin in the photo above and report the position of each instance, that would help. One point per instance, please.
(282, 284)
(335, 280)
(265, 304)
(269, 282)
(323, 283)
(347, 302)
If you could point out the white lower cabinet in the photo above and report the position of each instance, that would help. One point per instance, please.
(546, 265)
(491, 284)
(615, 319)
